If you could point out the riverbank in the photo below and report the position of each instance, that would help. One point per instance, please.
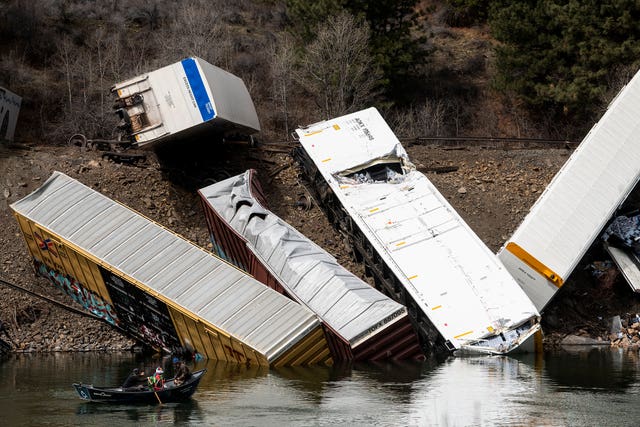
(492, 189)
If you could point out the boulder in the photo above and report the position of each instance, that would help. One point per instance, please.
(582, 340)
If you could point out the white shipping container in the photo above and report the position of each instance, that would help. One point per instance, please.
(183, 99)
(448, 272)
(579, 201)
(9, 109)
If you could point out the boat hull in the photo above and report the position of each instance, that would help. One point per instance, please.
(170, 392)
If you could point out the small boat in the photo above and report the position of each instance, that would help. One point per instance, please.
(169, 393)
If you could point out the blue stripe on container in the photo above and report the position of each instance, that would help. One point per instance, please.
(197, 87)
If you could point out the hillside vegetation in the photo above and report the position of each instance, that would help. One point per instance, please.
(435, 68)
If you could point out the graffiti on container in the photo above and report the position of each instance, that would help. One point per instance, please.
(235, 353)
(45, 244)
(217, 249)
(79, 293)
(9, 107)
(153, 338)
(141, 314)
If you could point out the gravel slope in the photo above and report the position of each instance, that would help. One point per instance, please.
(492, 188)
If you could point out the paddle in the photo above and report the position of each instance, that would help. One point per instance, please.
(152, 384)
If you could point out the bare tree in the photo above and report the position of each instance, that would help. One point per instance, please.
(337, 67)
(195, 30)
(426, 119)
(65, 59)
(88, 73)
(282, 61)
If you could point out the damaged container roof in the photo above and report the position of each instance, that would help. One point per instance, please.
(576, 206)
(447, 275)
(157, 286)
(621, 240)
(182, 100)
(369, 324)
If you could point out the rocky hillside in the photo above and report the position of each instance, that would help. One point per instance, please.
(492, 188)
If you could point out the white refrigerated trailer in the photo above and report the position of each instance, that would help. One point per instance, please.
(576, 206)
(182, 100)
(416, 245)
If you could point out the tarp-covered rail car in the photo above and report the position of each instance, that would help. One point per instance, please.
(158, 287)
(362, 323)
(412, 240)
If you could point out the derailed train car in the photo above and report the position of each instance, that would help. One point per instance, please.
(361, 322)
(156, 286)
(181, 100)
(416, 246)
(597, 183)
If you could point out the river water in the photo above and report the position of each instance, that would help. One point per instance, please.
(585, 387)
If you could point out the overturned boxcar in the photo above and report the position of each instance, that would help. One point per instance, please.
(418, 249)
(590, 189)
(158, 287)
(361, 322)
(181, 100)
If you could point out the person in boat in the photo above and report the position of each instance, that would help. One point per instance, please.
(156, 382)
(182, 373)
(135, 381)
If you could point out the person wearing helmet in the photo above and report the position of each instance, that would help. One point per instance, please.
(157, 380)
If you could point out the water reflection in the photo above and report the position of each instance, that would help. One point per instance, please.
(317, 381)
(172, 413)
(593, 387)
(597, 368)
(474, 391)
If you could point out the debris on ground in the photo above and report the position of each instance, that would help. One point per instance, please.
(500, 187)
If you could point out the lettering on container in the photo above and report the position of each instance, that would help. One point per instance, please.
(357, 126)
(378, 325)
(188, 86)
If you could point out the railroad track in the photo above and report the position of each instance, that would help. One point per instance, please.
(48, 299)
(453, 142)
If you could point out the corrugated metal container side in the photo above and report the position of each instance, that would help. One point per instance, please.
(155, 285)
(362, 323)
(575, 207)
(182, 100)
(412, 240)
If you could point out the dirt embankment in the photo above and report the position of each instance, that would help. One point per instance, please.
(491, 188)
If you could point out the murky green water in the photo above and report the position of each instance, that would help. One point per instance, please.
(596, 387)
